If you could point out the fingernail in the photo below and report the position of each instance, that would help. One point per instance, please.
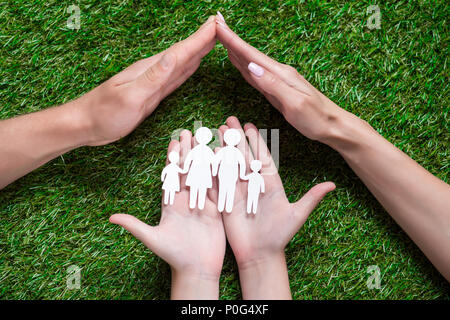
(220, 16)
(220, 20)
(255, 69)
(167, 60)
(220, 23)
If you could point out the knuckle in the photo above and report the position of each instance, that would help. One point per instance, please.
(290, 70)
(123, 97)
(153, 79)
(272, 81)
(151, 74)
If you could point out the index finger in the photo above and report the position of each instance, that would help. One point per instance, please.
(197, 44)
(232, 42)
(191, 49)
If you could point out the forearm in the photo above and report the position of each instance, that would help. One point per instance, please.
(418, 201)
(194, 287)
(29, 141)
(265, 279)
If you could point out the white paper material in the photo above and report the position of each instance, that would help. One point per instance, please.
(171, 178)
(201, 164)
(255, 186)
(230, 163)
(198, 165)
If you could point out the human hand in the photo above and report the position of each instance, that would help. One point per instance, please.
(119, 105)
(388, 173)
(302, 105)
(192, 242)
(258, 241)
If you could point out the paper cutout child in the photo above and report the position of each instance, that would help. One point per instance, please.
(229, 161)
(255, 186)
(171, 178)
(198, 162)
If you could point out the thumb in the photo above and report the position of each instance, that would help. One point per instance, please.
(153, 80)
(311, 199)
(142, 231)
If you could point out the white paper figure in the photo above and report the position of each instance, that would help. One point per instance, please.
(198, 162)
(171, 178)
(229, 161)
(255, 186)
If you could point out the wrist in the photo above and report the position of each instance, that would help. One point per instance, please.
(89, 110)
(79, 122)
(261, 259)
(265, 277)
(188, 285)
(346, 132)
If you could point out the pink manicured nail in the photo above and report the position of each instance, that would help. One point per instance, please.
(221, 16)
(256, 69)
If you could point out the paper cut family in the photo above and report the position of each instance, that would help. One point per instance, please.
(201, 164)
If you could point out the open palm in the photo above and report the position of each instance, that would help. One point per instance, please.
(256, 236)
(190, 240)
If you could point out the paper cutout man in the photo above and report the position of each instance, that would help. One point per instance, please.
(198, 162)
(229, 161)
(255, 186)
(171, 178)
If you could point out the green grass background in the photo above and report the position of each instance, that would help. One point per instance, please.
(396, 78)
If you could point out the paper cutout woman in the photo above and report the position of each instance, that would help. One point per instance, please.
(171, 178)
(231, 162)
(198, 162)
(255, 186)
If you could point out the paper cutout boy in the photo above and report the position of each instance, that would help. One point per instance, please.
(170, 177)
(255, 186)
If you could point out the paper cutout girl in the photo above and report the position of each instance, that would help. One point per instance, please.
(198, 162)
(255, 186)
(171, 178)
(231, 162)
